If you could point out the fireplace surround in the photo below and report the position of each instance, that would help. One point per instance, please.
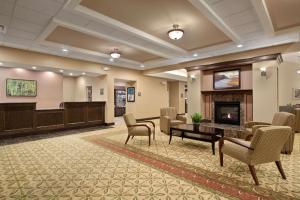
(227, 112)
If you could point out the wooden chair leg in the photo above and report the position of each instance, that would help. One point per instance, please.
(253, 173)
(149, 139)
(279, 166)
(221, 143)
(132, 137)
(127, 139)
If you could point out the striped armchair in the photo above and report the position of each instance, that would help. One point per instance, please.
(265, 147)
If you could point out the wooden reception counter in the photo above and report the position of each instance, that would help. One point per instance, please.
(24, 119)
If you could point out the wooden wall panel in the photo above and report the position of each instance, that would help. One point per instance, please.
(23, 118)
(49, 119)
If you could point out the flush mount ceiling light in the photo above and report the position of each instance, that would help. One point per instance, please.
(115, 54)
(33, 67)
(239, 46)
(195, 54)
(175, 33)
(61, 71)
(65, 50)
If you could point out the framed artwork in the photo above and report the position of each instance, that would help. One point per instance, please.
(131, 94)
(296, 92)
(229, 79)
(21, 88)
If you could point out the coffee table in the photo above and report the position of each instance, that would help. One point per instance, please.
(207, 132)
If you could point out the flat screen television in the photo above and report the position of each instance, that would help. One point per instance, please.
(229, 79)
(21, 88)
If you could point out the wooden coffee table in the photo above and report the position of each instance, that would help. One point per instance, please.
(207, 132)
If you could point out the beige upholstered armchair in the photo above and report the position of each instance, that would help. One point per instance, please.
(279, 119)
(142, 128)
(265, 147)
(169, 117)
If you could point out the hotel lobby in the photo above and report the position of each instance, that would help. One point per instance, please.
(136, 99)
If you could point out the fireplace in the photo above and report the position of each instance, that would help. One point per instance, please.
(227, 112)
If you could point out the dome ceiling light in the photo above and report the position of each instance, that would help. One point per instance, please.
(115, 54)
(175, 33)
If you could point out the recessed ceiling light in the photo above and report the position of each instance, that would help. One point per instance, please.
(115, 54)
(111, 60)
(175, 33)
(61, 71)
(195, 54)
(71, 74)
(65, 50)
(33, 67)
(298, 71)
(83, 73)
(106, 68)
(239, 46)
(142, 65)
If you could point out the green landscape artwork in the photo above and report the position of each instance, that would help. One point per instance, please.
(21, 88)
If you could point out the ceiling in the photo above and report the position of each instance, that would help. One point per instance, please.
(90, 29)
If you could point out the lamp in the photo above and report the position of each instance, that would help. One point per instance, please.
(115, 54)
(263, 71)
(175, 33)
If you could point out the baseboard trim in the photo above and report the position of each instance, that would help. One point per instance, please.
(109, 124)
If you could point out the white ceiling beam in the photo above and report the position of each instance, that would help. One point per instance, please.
(207, 11)
(264, 16)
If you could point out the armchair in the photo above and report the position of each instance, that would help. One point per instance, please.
(265, 147)
(140, 128)
(279, 119)
(169, 117)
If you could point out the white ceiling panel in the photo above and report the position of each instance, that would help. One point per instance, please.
(42, 6)
(32, 16)
(6, 7)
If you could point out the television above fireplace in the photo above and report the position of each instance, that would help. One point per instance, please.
(227, 112)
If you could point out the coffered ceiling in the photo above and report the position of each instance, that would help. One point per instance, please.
(90, 29)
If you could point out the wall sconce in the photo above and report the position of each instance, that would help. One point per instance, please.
(263, 71)
(298, 71)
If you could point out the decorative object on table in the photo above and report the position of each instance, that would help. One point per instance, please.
(229, 79)
(131, 94)
(196, 118)
(296, 93)
(21, 88)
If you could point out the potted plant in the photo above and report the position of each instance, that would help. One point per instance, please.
(196, 118)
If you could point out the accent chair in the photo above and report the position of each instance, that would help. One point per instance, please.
(169, 117)
(265, 147)
(141, 128)
(279, 119)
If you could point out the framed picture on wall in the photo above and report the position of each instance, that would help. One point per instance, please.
(131, 94)
(229, 79)
(296, 93)
(21, 88)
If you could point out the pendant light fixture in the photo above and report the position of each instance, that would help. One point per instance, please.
(175, 33)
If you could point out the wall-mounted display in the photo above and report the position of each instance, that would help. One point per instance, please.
(21, 88)
(131, 94)
(229, 79)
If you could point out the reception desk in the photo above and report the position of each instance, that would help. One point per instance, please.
(24, 119)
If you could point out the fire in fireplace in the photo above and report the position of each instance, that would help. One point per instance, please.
(227, 112)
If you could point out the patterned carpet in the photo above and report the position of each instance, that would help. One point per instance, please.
(97, 165)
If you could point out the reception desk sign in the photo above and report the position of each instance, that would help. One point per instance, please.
(21, 88)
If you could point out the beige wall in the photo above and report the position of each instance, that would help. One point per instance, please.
(49, 87)
(177, 95)
(194, 92)
(265, 92)
(288, 80)
(154, 93)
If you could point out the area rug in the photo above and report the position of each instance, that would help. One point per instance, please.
(193, 161)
